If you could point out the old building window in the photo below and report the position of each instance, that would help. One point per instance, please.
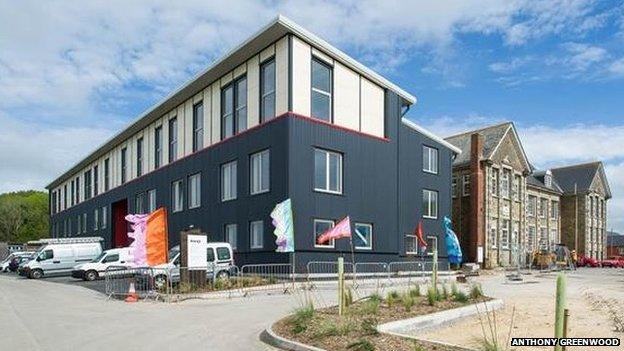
(516, 187)
(531, 205)
(504, 184)
(454, 187)
(493, 235)
(494, 181)
(554, 210)
(430, 159)
(504, 239)
(466, 185)
(543, 207)
(321, 90)
(543, 237)
(531, 238)
(430, 204)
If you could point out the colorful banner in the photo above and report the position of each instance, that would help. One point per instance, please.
(151, 241)
(340, 230)
(283, 222)
(420, 235)
(453, 249)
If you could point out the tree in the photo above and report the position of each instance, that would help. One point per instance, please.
(23, 216)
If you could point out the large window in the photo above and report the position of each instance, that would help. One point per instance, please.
(531, 205)
(260, 170)
(231, 233)
(139, 157)
(493, 237)
(65, 204)
(78, 224)
(321, 226)
(194, 190)
(139, 203)
(504, 185)
(363, 238)
(151, 200)
(87, 186)
(177, 196)
(96, 183)
(430, 159)
(173, 139)
(104, 217)
(321, 90)
(158, 147)
(106, 175)
(198, 126)
(228, 181)
(466, 185)
(267, 90)
(554, 210)
(77, 190)
(531, 239)
(124, 165)
(327, 171)
(84, 223)
(96, 219)
(543, 207)
(504, 239)
(454, 187)
(430, 204)
(494, 181)
(256, 233)
(234, 108)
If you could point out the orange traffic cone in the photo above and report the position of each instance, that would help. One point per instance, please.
(132, 295)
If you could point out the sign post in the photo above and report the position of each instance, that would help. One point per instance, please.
(193, 257)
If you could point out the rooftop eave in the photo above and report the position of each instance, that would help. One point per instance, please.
(430, 135)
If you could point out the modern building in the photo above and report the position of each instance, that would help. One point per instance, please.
(543, 222)
(283, 115)
(488, 190)
(584, 207)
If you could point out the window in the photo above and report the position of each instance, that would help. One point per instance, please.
(124, 164)
(327, 171)
(494, 181)
(543, 237)
(73, 198)
(198, 126)
(454, 187)
(96, 219)
(223, 254)
(321, 226)
(139, 157)
(228, 181)
(493, 237)
(54, 202)
(531, 205)
(111, 258)
(104, 217)
(234, 108)
(96, 183)
(504, 186)
(543, 208)
(548, 179)
(177, 196)
(363, 238)
(531, 240)
(505, 234)
(158, 147)
(231, 231)
(173, 139)
(554, 210)
(466, 185)
(553, 237)
(65, 196)
(106, 175)
(515, 231)
(84, 223)
(430, 204)
(321, 90)
(194, 190)
(256, 233)
(430, 159)
(267, 90)
(411, 244)
(260, 172)
(210, 255)
(77, 190)
(516, 188)
(151, 200)
(139, 203)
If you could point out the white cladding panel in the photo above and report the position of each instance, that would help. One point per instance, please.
(301, 77)
(253, 92)
(207, 98)
(281, 76)
(187, 129)
(216, 113)
(346, 97)
(372, 108)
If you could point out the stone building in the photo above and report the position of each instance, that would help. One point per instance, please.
(584, 207)
(488, 190)
(543, 222)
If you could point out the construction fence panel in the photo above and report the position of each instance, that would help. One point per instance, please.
(319, 272)
(121, 282)
(266, 277)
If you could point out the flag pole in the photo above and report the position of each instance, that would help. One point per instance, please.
(352, 260)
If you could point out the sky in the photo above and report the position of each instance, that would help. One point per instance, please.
(72, 73)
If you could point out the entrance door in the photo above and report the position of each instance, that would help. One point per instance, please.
(120, 225)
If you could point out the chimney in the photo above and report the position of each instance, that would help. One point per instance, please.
(477, 199)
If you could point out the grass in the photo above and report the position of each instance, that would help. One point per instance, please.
(476, 292)
(454, 289)
(432, 296)
(369, 326)
(392, 298)
(408, 302)
(301, 318)
(415, 291)
(329, 328)
(361, 345)
(461, 297)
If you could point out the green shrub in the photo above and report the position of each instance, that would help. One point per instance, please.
(369, 326)
(329, 328)
(348, 297)
(415, 291)
(439, 296)
(454, 289)
(432, 296)
(370, 307)
(461, 296)
(392, 298)
(361, 345)
(408, 302)
(445, 293)
(476, 292)
(300, 319)
(375, 297)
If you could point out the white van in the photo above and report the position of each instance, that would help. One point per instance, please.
(219, 257)
(95, 269)
(59, 257)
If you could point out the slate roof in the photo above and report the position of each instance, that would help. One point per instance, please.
(582, 175)
(536, 179)
(615, 240)
(492, 136)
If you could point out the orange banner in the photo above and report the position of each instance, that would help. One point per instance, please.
(157, 238)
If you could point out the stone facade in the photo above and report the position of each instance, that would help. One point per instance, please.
(543, 225)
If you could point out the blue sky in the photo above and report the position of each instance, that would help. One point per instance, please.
(73, 73)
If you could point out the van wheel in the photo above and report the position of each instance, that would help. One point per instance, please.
(223, 275)
(90, 276)
(36, 274)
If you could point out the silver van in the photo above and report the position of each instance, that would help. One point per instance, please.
(58, 257)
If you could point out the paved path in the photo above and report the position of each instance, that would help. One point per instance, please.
(41, 315)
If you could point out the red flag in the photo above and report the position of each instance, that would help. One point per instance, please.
(340, 230)
(419, 234)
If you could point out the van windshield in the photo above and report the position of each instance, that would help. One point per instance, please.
(100, 256)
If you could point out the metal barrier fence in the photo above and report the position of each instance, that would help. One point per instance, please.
(272, 276)
(122, 281)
